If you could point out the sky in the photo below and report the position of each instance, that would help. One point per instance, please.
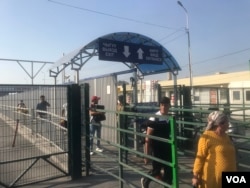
(45, 30)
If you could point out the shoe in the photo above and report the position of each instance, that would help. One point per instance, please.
(99, 149)
(91, 153)
(144, 183)
(158, 177)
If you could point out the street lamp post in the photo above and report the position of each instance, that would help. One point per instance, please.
(189, 50)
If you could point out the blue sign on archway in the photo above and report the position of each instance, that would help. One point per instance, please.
(111, 50)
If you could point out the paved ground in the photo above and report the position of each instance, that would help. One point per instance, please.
(99, 179)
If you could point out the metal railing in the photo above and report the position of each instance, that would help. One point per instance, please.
(29, 146)
(126, 157)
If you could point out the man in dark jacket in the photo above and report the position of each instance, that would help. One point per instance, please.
(42, 106)
(159, 127)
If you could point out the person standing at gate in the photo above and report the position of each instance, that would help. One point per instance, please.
(159, 127)
(21, 107)
(42, 106)
(95, 124)
(64, 120)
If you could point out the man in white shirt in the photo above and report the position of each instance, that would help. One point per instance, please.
(159, 127)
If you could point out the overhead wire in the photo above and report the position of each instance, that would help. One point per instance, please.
(216, 68)
(151, 24)
(221, 56)
(110, 15)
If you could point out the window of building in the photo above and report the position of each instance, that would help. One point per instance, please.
(196, 98)
(223, 94)
(236, 95)
(247, 95)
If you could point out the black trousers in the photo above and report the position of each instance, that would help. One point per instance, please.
(163, 153)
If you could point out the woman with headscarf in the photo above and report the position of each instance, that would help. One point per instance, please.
(216, 153)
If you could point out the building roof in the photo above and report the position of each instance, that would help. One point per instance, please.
(217, 79)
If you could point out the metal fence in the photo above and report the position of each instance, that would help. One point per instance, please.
(32, 149)
(37, 149)
(125, 161)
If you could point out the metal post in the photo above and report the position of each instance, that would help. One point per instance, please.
(175, 89)
(174, 160)
(86, 123)
(74, 131)
(189, 51)
(77, 76)
(135, 87)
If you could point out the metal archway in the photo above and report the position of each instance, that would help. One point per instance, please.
(79, 57)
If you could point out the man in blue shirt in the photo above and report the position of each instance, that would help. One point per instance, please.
(42, 106)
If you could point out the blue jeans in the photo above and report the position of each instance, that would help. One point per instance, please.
(95, 127)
